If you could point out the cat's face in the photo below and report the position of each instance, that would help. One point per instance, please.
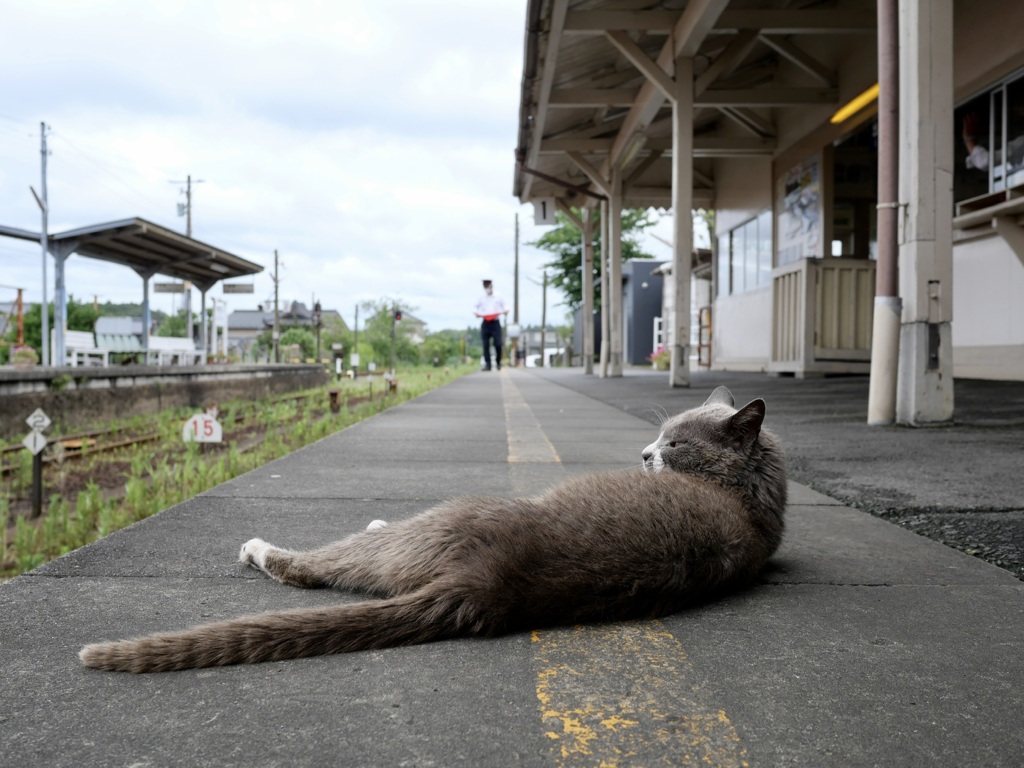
(714, 439)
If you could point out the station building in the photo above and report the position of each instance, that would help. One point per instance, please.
(774, 116)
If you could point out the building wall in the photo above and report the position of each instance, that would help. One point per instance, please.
(986, 43)
(988, 314)
(641, 304)
(741, 331)
(988, 278)
(741, 323)
(743, 188)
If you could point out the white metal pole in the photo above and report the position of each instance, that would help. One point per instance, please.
(44, 239)
(682, 205)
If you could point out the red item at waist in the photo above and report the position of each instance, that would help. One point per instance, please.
(492, 317)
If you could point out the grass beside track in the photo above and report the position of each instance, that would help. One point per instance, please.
(108, 490)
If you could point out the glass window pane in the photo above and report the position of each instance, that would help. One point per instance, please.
(723, 264)
(750, 262)
(764, 248)
(738, 256)
(971, 162)
(1015, 133)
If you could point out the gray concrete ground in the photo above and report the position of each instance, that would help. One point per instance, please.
(864, 644)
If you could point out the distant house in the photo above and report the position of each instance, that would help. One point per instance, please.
(120, 326)
(414, 328)
(246, 325)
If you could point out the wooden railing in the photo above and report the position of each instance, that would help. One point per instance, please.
(822, 316)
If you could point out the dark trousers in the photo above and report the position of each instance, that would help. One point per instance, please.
(491, 329)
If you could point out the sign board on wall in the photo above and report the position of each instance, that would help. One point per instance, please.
(544, 211)
(799, 228)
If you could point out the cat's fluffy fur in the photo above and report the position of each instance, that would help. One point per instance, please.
(703, 515)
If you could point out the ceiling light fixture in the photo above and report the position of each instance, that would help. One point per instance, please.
(855, 105)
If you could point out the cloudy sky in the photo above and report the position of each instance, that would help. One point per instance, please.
(370, 142)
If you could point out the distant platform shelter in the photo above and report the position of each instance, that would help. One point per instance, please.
(147, 248)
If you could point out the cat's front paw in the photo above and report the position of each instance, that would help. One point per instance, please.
(376, 525)
(254, 553)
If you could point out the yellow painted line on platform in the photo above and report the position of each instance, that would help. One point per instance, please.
(527, 442)
(614, 695)
(622, 695)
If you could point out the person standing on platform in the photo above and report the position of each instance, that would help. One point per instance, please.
(489, 308)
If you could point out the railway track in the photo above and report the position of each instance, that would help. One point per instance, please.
(91, 443)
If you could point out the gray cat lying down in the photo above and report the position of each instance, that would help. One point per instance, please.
(702, 516)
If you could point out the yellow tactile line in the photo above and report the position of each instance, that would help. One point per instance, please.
(616, 694)
(526, 440)
(622, 695)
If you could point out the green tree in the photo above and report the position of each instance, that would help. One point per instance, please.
(302, 336)
(81, 317)
(566, 243)
(444, 346)
(176, 325)
(334, 331)
(377, 332)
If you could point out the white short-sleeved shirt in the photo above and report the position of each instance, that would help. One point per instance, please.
(491, 306)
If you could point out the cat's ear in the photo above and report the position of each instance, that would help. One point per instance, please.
(721, 395)
(745, 425)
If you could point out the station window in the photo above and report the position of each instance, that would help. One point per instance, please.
(989, 144)
(745, 256)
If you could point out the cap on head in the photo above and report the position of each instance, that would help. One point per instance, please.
(486, 283)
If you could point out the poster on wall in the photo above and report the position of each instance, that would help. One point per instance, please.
(799, 219)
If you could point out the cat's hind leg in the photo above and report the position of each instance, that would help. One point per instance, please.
(279, 564)
(372, 561)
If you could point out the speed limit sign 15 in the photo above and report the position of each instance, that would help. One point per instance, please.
(202, 428)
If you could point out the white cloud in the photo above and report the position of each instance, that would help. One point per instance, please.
(370, 143)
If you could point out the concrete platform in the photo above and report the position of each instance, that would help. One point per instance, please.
(864, 645)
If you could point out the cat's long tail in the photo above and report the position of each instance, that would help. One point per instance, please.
(428, 614)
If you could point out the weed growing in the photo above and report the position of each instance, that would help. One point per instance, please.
(161, 473)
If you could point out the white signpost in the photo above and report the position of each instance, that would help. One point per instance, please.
(35, 441)
(202, 428)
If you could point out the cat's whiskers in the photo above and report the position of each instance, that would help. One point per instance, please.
(660, 413)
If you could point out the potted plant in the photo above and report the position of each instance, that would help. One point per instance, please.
(24, 357)
(660, 358)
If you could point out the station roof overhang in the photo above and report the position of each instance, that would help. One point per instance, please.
(596, 72)
(147, 248)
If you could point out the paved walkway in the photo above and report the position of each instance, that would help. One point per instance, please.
(864, 645)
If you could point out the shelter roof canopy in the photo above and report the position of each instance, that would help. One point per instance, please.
(149, 249)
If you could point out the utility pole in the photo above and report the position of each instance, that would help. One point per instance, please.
(355, 347)
(277, 315)
(186, 211)
(44, 239)
(543, 315)
(515, 300)
(317, 322)
(396, 316)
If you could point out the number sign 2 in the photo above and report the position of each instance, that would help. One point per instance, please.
(202, 428)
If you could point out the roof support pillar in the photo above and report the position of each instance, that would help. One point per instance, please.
(682, 204)
(204, 326)
(925, 380)
(885, 331)
(61, 251)
(147, 315)
(613, 295)
(585, 223)
(602, 370)
(588, 290)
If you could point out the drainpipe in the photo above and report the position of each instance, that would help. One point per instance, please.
(885, 344)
